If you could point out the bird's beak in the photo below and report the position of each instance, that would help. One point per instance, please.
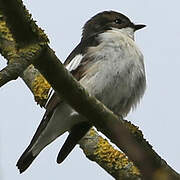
(139, 26)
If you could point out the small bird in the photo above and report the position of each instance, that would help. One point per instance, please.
(110, 66)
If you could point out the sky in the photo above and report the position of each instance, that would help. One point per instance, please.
(157, 115)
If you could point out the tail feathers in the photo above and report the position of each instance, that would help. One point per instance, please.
(25, 161)
(77, 132)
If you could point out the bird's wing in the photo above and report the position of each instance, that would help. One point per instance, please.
(27, 157)
(75, 63)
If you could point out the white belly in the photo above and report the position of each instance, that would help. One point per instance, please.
(117, 78)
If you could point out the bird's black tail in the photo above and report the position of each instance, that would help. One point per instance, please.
(77, 132)
(25, 160)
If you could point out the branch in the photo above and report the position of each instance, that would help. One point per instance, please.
(20, 62)
(113, 161)
(37, 84)
(17, 63)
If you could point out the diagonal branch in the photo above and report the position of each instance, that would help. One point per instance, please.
(113, 161)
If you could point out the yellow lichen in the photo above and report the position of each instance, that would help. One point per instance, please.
(4, 31)
(30, 50)
(108, 154)
(135, 170)
(92, 132)
(114, 159)
(133, 129)
(7, 43)
(40, 88)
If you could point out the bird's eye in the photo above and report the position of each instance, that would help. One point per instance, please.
(118, 21)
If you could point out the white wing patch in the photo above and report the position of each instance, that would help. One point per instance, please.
(50, 93)
(70, 67)
(74, 62)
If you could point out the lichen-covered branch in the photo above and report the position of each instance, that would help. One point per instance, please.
(113, 161)
(37, 84)
(21, 61)
(120, 167)
(16, 67)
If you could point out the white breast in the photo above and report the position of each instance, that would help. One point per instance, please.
(118, 77)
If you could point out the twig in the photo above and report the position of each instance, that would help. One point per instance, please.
(22, 60)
